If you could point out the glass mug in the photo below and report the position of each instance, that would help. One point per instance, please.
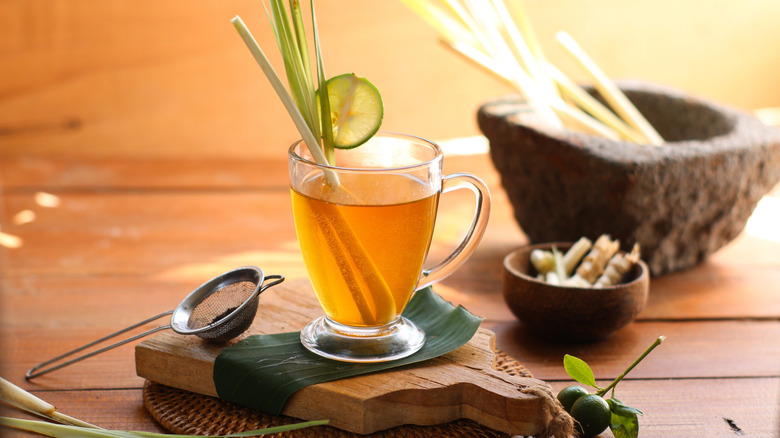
(364, 228)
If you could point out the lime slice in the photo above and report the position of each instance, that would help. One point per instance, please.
(355, 108)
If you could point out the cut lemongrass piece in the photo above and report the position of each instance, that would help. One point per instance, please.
(582, 98)
(609, 90)
(308, 137)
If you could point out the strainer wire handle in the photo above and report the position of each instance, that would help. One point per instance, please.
(34, 371)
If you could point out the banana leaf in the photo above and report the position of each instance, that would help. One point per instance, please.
(262, 371)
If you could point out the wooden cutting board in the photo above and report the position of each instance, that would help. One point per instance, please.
(461, 384)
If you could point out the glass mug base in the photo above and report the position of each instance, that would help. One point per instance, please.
(332, 340)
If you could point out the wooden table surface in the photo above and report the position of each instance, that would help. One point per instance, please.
(121, 240)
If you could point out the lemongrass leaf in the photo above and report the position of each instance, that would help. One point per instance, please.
(299, 51)
(300, 37)
(325, 115)
(62, 430)
(296, 77)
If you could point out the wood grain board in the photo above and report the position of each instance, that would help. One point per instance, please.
(460, 384)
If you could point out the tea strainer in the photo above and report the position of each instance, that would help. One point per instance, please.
(217, 311)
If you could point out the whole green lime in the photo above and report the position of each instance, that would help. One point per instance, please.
(570, 394)
(592, 414)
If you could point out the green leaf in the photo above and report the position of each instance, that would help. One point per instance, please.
(262, 371)
(578, 370)
(617, 406)
(624, 422)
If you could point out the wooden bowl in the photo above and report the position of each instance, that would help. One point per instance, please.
(570, 313)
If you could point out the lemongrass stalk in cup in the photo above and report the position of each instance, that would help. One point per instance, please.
(310, 109)
(303, 128)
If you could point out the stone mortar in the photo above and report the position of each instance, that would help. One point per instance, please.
(680, 202)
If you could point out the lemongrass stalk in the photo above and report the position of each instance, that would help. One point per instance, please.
(302, 52)
(577, 120)
(451, 28)
(582, 98)
(300, 37)
(298, 78)
(69, 431)
(308, 136)
(573, 118)
(475, 27)
(482, 21)
(325, 113)
(336, 230)
(519, 16)
(521, 47)
(609, 90)
(21, 399)
(479, 58)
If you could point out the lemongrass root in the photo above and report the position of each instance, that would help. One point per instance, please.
(619, 265)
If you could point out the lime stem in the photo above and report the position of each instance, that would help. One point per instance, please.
(656, 343)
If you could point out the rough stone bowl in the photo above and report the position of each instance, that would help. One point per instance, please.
(571, 314)
(680, 202)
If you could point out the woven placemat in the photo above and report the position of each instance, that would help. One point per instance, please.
(184, 412)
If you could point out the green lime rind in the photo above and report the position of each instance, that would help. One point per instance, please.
(592, 414)
(356, 110)
(569, 395)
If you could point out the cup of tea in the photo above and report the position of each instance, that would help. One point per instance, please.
(364, 227)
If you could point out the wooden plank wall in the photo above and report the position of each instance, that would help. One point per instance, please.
(167, 78)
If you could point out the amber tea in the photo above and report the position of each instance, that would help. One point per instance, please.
(364, 249)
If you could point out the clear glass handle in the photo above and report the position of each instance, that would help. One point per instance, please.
(450, 183)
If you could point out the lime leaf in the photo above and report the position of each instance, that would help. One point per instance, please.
(617, 406)
(578, 370)
(624, 422)
(356, 110)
